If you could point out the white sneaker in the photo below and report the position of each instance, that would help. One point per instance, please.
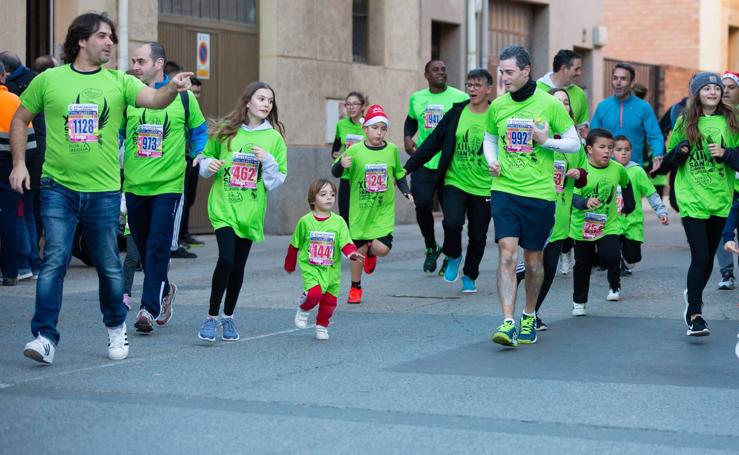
(41, 350)
(117, 342)
(301, 318)
(578, 309)
(321, 332)
(566, 263)
(613, 296)
(27, 275)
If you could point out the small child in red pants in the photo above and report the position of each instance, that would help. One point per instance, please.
(317, 243)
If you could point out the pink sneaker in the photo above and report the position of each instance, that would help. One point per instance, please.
(127, 301)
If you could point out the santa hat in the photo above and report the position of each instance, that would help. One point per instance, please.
(731, 75)
(375, 114)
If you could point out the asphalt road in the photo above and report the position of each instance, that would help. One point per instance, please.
(410, 370)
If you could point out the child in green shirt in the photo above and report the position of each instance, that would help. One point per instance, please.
(247, 155)
(374, 171)
(314, 246)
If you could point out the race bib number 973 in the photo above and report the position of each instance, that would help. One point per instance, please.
(149, 144)
(82, 122)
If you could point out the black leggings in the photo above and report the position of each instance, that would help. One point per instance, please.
(344, 192)
(233, 251)
(703, 238)
(423, 188)
(567, 245)
(551, 258)
(608, 255)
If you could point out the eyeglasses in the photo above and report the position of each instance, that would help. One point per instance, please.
(474, 85)
(348, 104)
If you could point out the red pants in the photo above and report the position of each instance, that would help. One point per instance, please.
(326, 304)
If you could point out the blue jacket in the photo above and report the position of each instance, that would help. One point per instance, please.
(633, 118)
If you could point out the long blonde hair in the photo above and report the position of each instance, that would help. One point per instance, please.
(694, 110)
(228, 126)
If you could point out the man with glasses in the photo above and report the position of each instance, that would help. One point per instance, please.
(463, 176)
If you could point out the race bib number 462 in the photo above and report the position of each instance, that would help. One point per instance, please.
(321, 249)
(375, 177)
(519, 135)
(244, 171)
(149, 144)
(82, 122)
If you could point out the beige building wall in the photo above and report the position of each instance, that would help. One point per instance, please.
(13, 37)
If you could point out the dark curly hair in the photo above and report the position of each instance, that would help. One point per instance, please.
(82, 28)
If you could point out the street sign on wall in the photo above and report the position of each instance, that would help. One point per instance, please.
(202, 49)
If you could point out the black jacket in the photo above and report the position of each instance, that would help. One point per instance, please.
(443, 137)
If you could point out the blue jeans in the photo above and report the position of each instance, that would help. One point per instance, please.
(97, 213)
(28, 254)
(151, 219)
(8, 219)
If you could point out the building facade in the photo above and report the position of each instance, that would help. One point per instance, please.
(315, 52)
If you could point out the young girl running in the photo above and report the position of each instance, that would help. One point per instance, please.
(348, 132)
(632, 225)
(703, 156)
(374, 171)
(317, 243)
(595, 219)
(247, 153)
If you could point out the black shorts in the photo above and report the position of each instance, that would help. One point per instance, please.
(529, 219)
(386, 240)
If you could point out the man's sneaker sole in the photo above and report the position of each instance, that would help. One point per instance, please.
(525, 341)
(35, 355)
(206, 339)
(143, 327)
(503, 339)
(699, 333)
(173, 293)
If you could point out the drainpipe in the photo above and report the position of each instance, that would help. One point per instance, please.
(471, 35)
(485, 46)
(122, 35)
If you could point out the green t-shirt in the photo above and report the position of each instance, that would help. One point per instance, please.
(525, 166)
(632, 225)
(154, 160)
(319, 245)
(83, 114)
(592, 224)
(372, 178)
(564, 186)
(428, 108)
(468, 170)
(703, 186)
(238, 198)
(348, 133)
(578, 101)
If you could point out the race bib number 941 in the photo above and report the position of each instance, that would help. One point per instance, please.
(375, 178)
(321, 249)
(520, 135)
(432, 115)
(244, 171)
(82, 122)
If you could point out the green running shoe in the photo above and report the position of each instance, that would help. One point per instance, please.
(506, 334)
(432, 254)
(528, 330)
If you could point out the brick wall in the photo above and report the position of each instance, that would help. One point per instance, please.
(652, 31)
(673, 85)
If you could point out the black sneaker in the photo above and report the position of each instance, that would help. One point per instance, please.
(432, 254)
(192, 240)
(540, 325)
(10, 281)
(698, 327)
(444, 265)
(181, 253)
(625, 271)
